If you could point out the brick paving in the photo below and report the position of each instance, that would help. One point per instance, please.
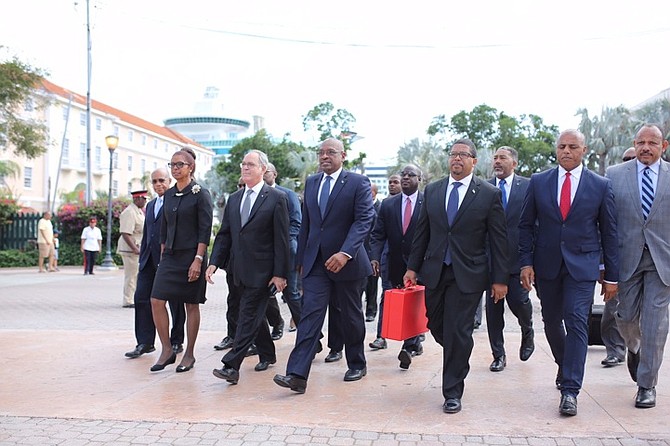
(64, 381)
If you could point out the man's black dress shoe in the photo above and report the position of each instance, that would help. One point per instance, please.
(633, 360)
(185, 368)
(333, 356)
(498, 364)
(611, 361)
(229, 374)
(405, 359)
(171, 360)
(292, 382)
(369, 318)
(225, 343)
(452, 405)
(527, 346)
(253, 350)
(645, 398)
(177, 348)
(278, 331)
(417, 351)
(568, 405)
(355, 374)
(263, 365)
(140, 350)
(378, 344)
(559, 379)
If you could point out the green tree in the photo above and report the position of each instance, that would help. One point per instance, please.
(429, 156)
(328, 122)
(490, 129)
(607, 136)
(26, 137)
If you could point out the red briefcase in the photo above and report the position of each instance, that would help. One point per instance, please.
(404, 313)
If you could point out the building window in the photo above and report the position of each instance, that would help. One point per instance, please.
(66, 112)
(130, 187)
(82, 118)
(165, 146)
(155, 144)
(98, 124)
(66, 151)
(82, 154)
(130, 135)
(143, 166)
(28, 177)
(98, 157)
(144, 140)
(115, 188)
(28, 105)
(130, 163)
(115, 158)
(155, 165)
(116, 130)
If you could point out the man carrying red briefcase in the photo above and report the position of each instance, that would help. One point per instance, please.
(396, 221)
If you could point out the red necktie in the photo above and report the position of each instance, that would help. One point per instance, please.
(408, 215)
(565, 196)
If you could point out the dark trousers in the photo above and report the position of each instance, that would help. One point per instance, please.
(273, 313)
(371, 290)
(145, 330)
(565, 311)
(251, 327)
(318, 291)
(519, 303)
(291, 293)
(451, 319)
(233, 309)
(89, 261)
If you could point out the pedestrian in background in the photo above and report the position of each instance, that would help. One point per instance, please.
(91, 244)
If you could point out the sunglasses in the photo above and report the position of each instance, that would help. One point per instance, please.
(628, 158)
(158, 180)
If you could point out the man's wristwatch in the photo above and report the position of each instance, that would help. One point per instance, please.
(199, 257)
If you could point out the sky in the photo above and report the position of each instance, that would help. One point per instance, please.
(393, 65)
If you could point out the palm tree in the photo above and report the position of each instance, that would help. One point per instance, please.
(607, 136)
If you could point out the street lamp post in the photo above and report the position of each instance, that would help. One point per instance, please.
(112, 142)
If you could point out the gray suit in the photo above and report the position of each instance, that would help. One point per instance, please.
(644, 267)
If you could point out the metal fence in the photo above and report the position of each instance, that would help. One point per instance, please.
(20, 233)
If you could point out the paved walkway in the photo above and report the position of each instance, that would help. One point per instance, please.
(64, 380)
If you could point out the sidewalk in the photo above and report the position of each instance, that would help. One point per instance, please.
(65, 380)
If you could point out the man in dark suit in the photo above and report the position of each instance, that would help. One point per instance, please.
(513, 188)
(458, 216)
(568, 222)
(642, 192)
(291, 294)
(150, 255)
(372, 282)
(337, 216)
(253, 244)
(395, 226)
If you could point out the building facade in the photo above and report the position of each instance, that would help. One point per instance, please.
(143, 146)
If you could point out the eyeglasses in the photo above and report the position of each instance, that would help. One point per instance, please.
(628, 158)
(240, 186)
(409, 174)
(329, 152)
(461, 155)
(248, 165)
(158, 180)
(178, 165)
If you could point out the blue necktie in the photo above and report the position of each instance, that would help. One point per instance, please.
(504, 193)
(647, 192)
(452, 209)
(325, 193)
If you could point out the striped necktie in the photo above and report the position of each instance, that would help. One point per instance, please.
(647, 192)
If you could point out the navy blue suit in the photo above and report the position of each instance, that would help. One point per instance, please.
(345, 225)
(565, 256)
(150, 255)
(388, 232)
(517, 296)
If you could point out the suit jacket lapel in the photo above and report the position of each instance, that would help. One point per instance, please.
(339, 184)
(661, 185)
(552, 189)
(398, 210)
(470, 196)
(417, 210)
(262, 196)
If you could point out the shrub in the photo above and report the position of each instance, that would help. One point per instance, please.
(14, 258)
(72, 218)
(8, 207)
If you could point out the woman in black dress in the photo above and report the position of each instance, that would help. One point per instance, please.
(185, 233)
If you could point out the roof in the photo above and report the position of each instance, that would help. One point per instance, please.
(123, 116)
